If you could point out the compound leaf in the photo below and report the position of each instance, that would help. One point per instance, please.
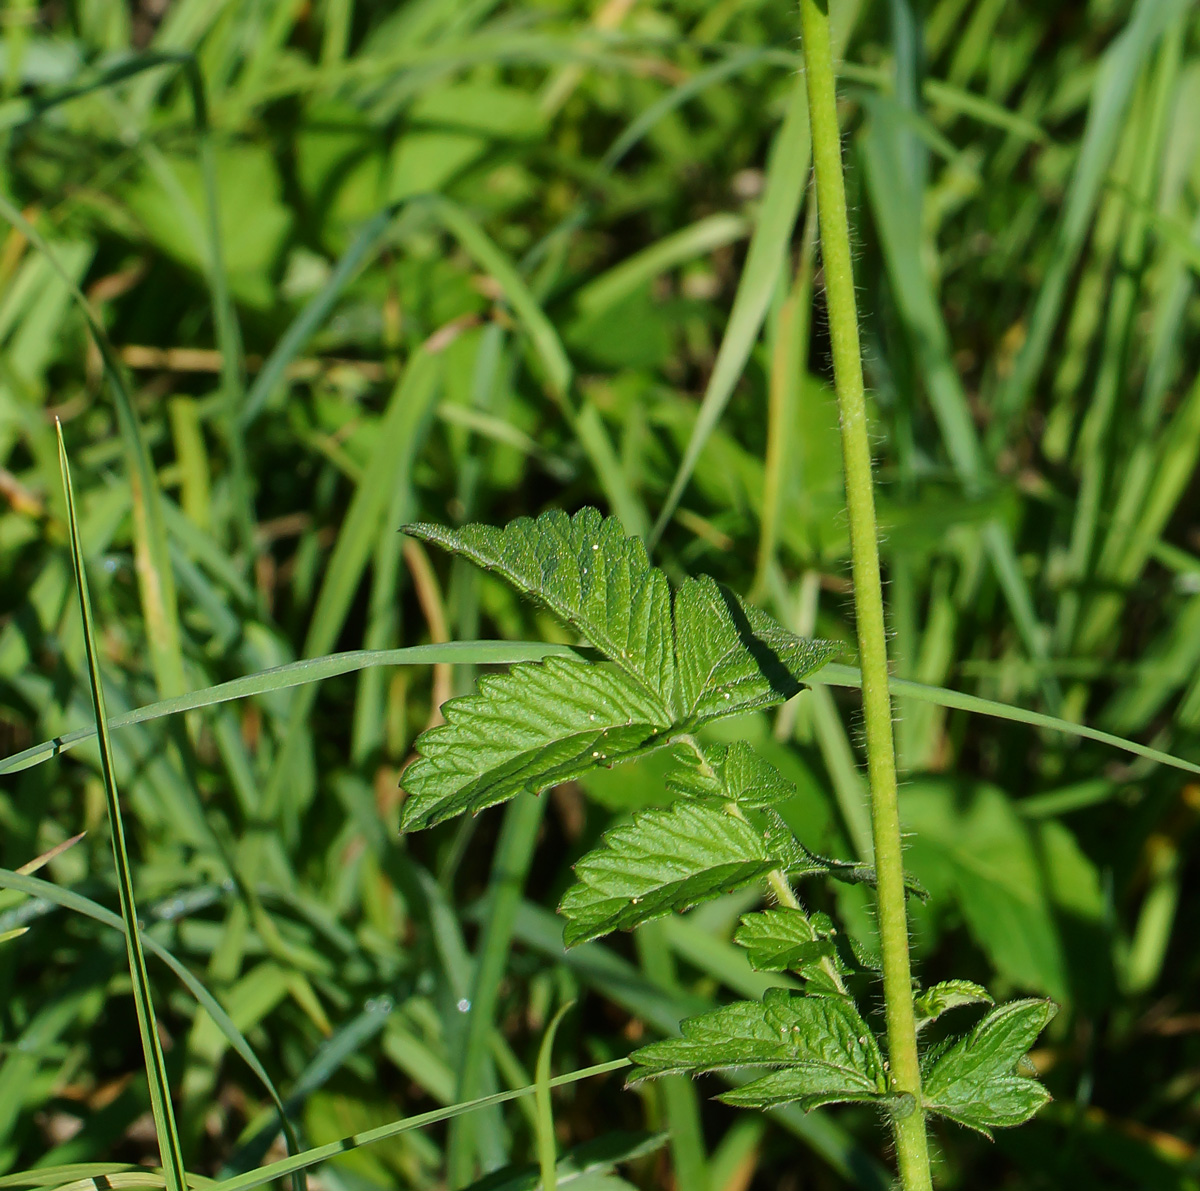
(592, 576)
(975, 1080)
(948, 994)
(822, 1042)
(550, 722)
(663, 860)
(540, 724)
(732, 658)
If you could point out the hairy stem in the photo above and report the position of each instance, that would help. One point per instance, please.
(911, 1147)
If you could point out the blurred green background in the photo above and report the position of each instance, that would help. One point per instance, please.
(466, 260)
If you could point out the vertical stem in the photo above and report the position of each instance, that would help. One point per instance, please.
(911, 1148)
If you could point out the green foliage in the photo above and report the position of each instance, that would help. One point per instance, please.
(548, 722)
(785, 939)
(664, 860)
(614, 282)
(730, 771)
(675, 666)
(538, 725)
(975, 1080)
(819, 1049)
(592, 576)
(947, 995)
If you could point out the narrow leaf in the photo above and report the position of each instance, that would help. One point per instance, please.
(664, 860)
(975, 1081)
(536, 726)
(165, 1128)
(547, 1146)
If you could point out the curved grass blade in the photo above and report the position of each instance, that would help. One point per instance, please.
(503, 652)
(546, 1147)
(50, 1176)
(170, 1150)
(67, 899)
(278, 678)
(314, 313)
(329, 1059)
(834, 674)
(286, 1166)
(102, 1176)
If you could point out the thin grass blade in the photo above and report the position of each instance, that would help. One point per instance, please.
(165, 1127)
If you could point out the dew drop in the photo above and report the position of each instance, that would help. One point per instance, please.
(596, 546)
(595, 754)
(464, 1006)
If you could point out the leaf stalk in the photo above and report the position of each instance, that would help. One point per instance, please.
(911, 1143)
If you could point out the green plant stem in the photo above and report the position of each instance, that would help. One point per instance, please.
(911, 1146)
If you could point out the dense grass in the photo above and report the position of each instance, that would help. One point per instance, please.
(291, 275)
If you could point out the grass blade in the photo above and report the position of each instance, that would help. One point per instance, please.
(786, 176)
(279, 678)
(834, 674)
(170, 1150)
(503, 652)
(286, 1166)
(546, 1146)
(514, 854)
(69, 900)
(1118, 74)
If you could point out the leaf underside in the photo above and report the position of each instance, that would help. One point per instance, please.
(975, 1080)
(818, 1048)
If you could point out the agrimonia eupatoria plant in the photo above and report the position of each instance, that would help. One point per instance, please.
(671, 662)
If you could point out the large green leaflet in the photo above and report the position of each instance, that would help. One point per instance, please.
(819, 1048)
(591, 576)
(664, 860)
(536, 726)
